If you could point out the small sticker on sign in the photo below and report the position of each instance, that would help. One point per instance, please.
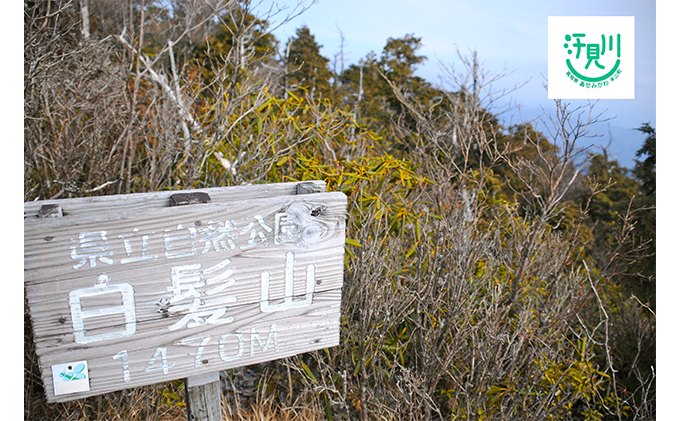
(70, 378)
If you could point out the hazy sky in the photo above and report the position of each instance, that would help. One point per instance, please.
(509, 36)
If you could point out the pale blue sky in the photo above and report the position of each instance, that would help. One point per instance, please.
(508, 36)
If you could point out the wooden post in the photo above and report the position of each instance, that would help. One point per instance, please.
(204, 397)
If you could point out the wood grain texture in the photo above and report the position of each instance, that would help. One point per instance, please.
(161, 199)
(204, 402)
(147, 293)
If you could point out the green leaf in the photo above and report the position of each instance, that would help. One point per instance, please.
(259, 125)
(411, 251)
(329, 410)
(351, 242)
(265, 104)
(357, 366)
(495, 389)
(348, 251)
(309, 373)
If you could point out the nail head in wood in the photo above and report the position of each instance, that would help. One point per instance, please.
(181, 199)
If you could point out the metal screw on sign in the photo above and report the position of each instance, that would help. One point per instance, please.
(50, 211)
(180, 199)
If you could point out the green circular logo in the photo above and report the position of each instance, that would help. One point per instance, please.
(593, 64)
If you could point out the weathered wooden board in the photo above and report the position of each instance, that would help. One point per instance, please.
(128, 291)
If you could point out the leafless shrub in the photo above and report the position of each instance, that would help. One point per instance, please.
(490, 314)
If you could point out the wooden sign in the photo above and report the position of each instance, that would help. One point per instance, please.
(132, 290)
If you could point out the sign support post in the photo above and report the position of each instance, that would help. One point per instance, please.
(204, 398)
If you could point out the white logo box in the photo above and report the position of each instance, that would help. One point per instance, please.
(591, 57)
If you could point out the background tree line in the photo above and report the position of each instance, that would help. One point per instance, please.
(492, 272)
